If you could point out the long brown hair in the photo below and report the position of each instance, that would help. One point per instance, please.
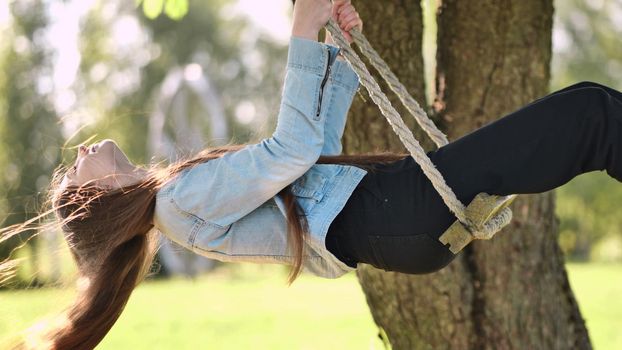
(112, 239)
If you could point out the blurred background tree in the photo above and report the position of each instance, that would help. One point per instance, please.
(30, 139)
(102, 67)
(208, 44)
(587, 45)
(126, 56)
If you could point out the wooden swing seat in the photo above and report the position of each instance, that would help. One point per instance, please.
(483, 209)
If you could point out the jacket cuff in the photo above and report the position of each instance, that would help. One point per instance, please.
(310, 55)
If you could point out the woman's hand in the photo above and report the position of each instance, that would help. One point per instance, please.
(309, 17)
(346, 16)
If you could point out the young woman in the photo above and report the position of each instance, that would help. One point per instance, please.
(293, 199)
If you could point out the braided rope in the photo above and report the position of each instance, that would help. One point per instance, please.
(439, 138)
(493, 225)
(489, 228)
(398, 125)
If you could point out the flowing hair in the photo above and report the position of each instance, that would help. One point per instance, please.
(112, 239)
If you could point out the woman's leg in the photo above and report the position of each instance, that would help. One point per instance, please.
(394, 218)
(540, 146)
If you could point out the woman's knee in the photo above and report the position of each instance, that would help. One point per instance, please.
(580, 85)
(598, 102)
(587, 83)
(588, 102)
(605, 90)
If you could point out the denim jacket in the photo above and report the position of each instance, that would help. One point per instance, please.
(228, 208)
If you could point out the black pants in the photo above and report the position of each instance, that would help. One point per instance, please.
(394, 217)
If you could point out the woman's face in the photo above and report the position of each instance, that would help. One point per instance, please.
(104, 165)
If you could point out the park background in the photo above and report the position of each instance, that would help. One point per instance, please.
(80, 71)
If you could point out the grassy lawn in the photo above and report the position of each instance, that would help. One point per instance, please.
(598, 289)
(254, 309)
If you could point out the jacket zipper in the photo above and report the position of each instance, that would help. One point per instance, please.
(324, 80)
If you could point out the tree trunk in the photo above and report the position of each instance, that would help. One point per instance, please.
(508, 293)
(396, 29)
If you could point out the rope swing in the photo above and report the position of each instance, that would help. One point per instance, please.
(486, 214)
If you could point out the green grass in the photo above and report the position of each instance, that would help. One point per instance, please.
(598, 288)
(254, 309)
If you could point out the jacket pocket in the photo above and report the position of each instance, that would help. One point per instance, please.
(309, 190)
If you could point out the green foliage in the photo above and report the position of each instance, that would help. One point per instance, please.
(588, 208)
(124, 57)
(175, 9)
(222, 46)
(30, 137)
(587, 36)
(588, 47)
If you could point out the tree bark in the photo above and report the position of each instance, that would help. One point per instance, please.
(397, 32)
(508, 293)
